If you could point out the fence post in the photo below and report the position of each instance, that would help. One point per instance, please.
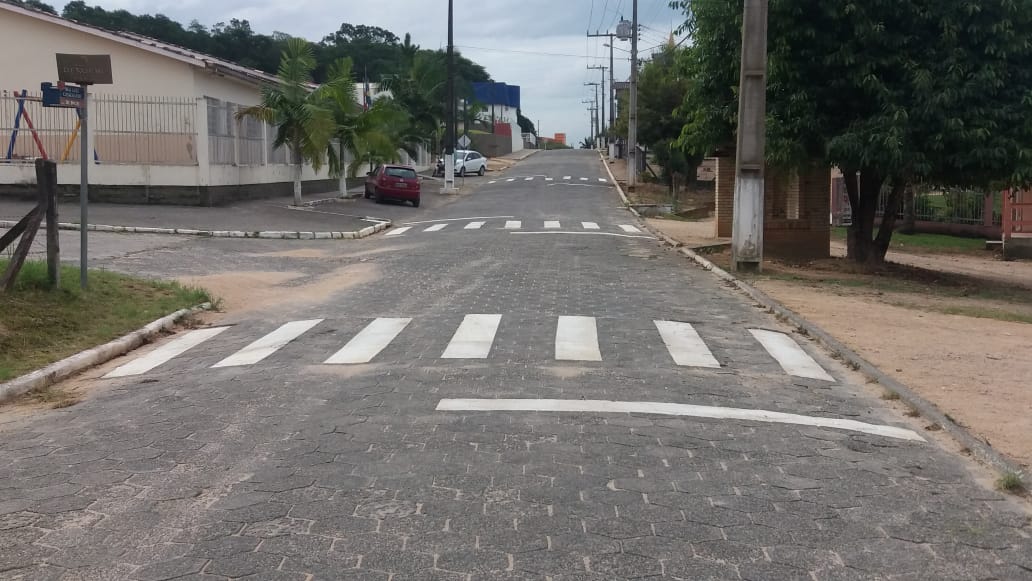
(47, 180)
(988, 209)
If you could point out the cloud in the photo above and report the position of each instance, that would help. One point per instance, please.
(525, 36)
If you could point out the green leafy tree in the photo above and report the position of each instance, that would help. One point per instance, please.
(890, 91)
(526, 125)
(35, 5)
(303, 122)
(662, 85)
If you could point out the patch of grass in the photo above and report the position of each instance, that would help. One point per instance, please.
(890, 395)
(39, 326)
(986, 313)
(927, 242)
(53, 397)
(1010, 482)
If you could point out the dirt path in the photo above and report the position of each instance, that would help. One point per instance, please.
(1015, 273)
(976, 370)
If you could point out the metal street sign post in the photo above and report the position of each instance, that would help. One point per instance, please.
(83, 70)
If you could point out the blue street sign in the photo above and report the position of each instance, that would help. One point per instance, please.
(62, 95)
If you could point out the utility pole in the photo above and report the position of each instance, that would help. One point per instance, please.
(449, 139)
(602, 102)
(632, 114)
(629, 30)
(591, 118)
(747, 229)
(612, 86)
(595, 138)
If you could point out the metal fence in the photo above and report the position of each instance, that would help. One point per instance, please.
(931, 204)
(127, 129)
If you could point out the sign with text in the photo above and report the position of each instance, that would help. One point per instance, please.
(84, 69)
(62, 95)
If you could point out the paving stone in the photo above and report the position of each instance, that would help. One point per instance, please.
(169, 569)
(242, 564)
(194, 463)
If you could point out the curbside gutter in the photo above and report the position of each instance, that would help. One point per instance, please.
(84, 360)
(978, 448)
(268, 234)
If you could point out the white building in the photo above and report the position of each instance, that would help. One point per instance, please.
(165, 131)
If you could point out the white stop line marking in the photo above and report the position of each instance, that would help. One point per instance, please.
(669, 409)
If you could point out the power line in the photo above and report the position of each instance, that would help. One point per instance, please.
(579, 56)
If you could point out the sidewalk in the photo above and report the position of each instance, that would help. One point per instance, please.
(272, 215)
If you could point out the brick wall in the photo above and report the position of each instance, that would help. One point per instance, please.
(725, 194)
(798, 205)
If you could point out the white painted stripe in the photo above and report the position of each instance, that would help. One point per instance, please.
(369, 341)
(590, 225)
(492, 181)
(584, 179)
(511, 180)
(576, 339)
(587, 234)
(436, 227)
(603, 180)
(530, 179)
(566, 177)
(474, 225)
(629, 229)
(457, 219)
(790, 355)
(549, 179)
(513, 225)
(268, 344)
(670, 409)
(399, 231)
(166, 352)
(474, 337)
(685, 345)
(552, 224)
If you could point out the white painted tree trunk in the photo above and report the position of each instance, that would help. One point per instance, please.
(297, 184)
(343, 186)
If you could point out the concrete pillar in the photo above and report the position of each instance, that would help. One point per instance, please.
(725, 195)
(201, 144)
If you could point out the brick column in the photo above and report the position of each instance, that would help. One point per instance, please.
(725, 194)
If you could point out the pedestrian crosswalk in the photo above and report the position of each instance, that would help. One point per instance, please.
(570, 338)
(455, 225)
(535, 178)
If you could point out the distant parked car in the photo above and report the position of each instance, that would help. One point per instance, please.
(467, 162)
(393, 182)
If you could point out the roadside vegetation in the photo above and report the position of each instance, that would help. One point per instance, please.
(39, 327)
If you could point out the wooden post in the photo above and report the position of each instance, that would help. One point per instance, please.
(32, 222)
(47, 180)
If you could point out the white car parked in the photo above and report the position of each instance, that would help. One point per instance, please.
(467, 162)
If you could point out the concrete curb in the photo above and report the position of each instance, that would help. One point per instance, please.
(979, 449)
(69, 366)
(267, 234)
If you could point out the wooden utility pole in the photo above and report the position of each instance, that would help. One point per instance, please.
(602, 102)
(747, 229)
(612, 87)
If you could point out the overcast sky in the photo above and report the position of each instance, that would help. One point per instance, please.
(552, 85)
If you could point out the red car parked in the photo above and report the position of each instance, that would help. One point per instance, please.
(393, 182)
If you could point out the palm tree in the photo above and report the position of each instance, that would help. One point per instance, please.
(302, 123)
(374, 135)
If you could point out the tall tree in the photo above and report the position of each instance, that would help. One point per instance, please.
(302, 121)
(662, 85)
(35, 5)
(890, 91)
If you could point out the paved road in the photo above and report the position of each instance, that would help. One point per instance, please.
(481, 408)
